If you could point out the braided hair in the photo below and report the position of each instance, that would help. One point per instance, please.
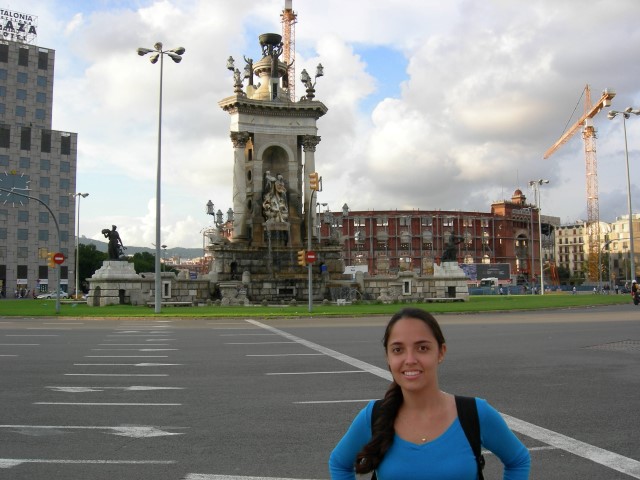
(383, 432)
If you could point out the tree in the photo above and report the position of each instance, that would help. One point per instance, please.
(89, 260)
(144, 262)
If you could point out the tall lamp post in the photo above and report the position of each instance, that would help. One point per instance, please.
(78, 196)
(625, 115)
(174, 54)
(535, 184)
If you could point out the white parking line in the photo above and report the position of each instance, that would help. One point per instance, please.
(132, 344)
(31, 335)
(116, 375)
(287, 355)
(13, 462)
(316, 373)
(255, 343)
(598, 455)
(126, 356)
(19, 344)
(92, 404)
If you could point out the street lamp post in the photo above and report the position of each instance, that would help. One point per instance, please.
(318, 204)
(535, 184)
(625, 115)
(78, 196)
(174, 54)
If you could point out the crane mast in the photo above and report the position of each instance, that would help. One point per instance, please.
(591, 164)
(289, 18)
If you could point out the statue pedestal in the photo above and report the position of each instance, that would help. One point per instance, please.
(450, 281)
(115, 283)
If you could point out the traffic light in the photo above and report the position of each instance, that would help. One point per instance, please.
(314, 183)
(302, 258)
(50, 261)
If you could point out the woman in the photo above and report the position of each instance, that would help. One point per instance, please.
(418, 434)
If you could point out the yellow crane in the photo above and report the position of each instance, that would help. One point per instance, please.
(289, 19)
(589, 135)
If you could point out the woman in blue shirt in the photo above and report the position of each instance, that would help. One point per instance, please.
(418, 434)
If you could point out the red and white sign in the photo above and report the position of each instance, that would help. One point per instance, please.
(58, 258)
(311, 256)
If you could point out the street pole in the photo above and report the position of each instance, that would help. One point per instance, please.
(309, 265)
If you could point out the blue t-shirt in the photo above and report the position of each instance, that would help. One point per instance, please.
(447, 457)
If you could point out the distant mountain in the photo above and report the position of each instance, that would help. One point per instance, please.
(183, 253)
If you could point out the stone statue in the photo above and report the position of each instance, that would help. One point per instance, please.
(450, 253)
(116, 248)
(274, 204)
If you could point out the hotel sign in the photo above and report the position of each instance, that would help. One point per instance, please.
(18, 27)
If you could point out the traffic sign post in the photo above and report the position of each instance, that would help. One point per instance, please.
(59, 258)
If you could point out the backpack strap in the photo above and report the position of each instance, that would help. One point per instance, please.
(375, 412)
(468, 416)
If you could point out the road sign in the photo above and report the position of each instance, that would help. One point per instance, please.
(58, 258)
(311, 256)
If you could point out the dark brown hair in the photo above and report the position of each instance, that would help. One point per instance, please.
(383, 432)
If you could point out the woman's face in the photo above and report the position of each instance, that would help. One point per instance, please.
(413, 354)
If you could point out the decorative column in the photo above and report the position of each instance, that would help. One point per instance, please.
(239, 140)
(309, 143)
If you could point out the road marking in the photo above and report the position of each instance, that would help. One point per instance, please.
(315, 373)
(32, 335)
(127, 364)
(609, 459)
(132, 344)
(247, 335)
(287, 355)
(110, 404)
(133, 388)
(596, 454)
(135, 349)
(8, 355)
(131, 431)
(47, 328)
(204, 476)
(19, 344)
(335, 401)
(256, 343)
(126, 356)
(116, 374)
(13, 462)
(63, 323)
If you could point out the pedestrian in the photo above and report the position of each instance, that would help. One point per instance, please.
(616, 288)
(574, 290)
(418, 432)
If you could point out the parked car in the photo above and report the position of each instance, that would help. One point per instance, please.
(50, 295)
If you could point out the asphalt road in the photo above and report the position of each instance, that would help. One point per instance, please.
(216, 399)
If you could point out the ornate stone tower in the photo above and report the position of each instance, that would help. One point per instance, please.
(274, 142)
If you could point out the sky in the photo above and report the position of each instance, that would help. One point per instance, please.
(432, 105)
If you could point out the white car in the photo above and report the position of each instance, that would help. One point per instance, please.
(53, 295)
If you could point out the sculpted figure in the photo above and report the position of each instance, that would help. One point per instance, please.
(116, 248)
(274, 204)
(450, 249)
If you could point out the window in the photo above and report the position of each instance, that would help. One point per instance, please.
(41, 97)
(5, 136)
(23, 252)
(22, 77)
(21, 94)
(4, 160)
(42, 81)
(4, 214)
(3, 91)
(43, 272)
(382, 221)
(3, 73)
(43, 217)
(45, 182)
(65, 144)
(45, 141)
(25, 162)
(23, 57)
(43, 60)
(22, 271)
(21, 111)
(64, 236)
(40, 113)
(44, 198)
(4, 52)
(64, 184)
(63, 218)
(359, 222)
(65, 167)
(23, 216)
(3, 233)
(64, 201)
(25, 138)
(45, 164)
(405, 221)
(448, 222)
(23, 234)
(427, 221)
(3, 254)
(43, 235)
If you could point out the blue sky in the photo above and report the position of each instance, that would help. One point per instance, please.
(432, 105)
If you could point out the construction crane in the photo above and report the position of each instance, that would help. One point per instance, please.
(289, 19)
(589, 136)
